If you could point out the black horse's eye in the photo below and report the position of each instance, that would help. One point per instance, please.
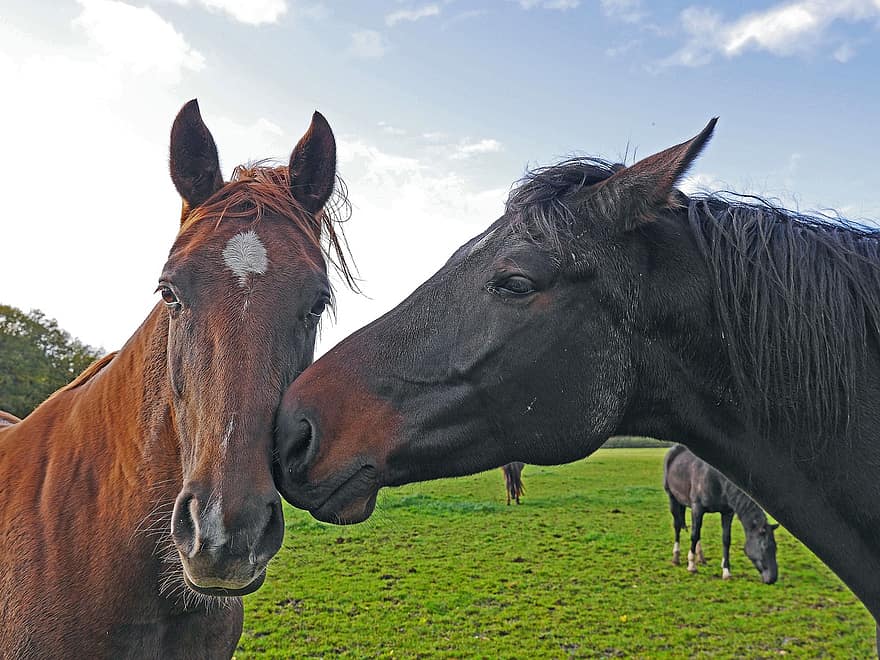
(515, 285)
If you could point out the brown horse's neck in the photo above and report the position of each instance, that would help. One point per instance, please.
(120, 417)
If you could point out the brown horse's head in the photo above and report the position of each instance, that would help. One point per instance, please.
(245, 285)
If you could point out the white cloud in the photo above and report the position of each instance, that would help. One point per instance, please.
(92, 235)
(622, 49)
(561, 5)
(367, 43)
(465, 16)
(251, 12)
(701, 182)
(391, 130)
(316, 12)
(784, 30)
(628, 11)
(776, 30)
(413, 14)
(137, 39)
(260, 139)
(844, 53)
(467, 149)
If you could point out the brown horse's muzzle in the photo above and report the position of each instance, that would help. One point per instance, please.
(225, 553)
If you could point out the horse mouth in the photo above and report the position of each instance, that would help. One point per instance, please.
(353, 501)
(217, 591)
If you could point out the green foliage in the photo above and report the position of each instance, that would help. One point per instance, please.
(634, 442)
(36, 358)
(581, 569)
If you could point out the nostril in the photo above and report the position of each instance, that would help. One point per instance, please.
(273, 533)
(184, 523)
(298, 447)
(276, 517)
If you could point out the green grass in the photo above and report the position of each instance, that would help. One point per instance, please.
(580, 569)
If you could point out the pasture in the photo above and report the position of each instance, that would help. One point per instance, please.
(580, 569)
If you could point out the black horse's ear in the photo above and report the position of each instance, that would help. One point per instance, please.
(313, 166)
(193, 160)
(632, 196)
(774, 526)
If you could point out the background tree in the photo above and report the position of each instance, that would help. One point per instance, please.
(36, 358)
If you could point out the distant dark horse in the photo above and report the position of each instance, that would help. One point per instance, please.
(137, 503)
(693, 483)
(605, 302)
(513, 480)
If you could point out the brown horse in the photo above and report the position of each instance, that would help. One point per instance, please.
(137, 503)
(513, 480)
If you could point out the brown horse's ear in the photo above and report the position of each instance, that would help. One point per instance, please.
(193, 160)
(633, 195)
(313, 166)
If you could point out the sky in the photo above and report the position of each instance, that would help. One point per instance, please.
(437, 107)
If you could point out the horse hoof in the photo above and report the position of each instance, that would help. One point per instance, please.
(692, 568)
(676, 561)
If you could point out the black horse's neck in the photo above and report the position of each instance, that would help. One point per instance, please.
(775, 383)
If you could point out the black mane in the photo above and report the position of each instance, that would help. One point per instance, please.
(798, 301)
(797, 296)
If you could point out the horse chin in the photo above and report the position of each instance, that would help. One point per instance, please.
(347, 505)
(226, 591)
(768, 578)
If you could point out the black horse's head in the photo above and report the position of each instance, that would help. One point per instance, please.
(522, 347)
(760, 547)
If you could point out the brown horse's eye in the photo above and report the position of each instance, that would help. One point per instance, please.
(169, 297)
(317, 310)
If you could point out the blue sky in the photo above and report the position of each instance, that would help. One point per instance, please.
(437, 106)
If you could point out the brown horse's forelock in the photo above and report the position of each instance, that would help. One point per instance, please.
(258, 188)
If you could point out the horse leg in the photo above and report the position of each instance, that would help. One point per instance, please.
(726, 520)
(696, 526)
(701, 559)
(678, 522)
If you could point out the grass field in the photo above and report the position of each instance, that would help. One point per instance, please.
(580, 569)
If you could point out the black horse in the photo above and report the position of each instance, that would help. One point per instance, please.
(513, 480)
(693, 483)
(605, 302)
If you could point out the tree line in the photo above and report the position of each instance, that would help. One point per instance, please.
(36, 358)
